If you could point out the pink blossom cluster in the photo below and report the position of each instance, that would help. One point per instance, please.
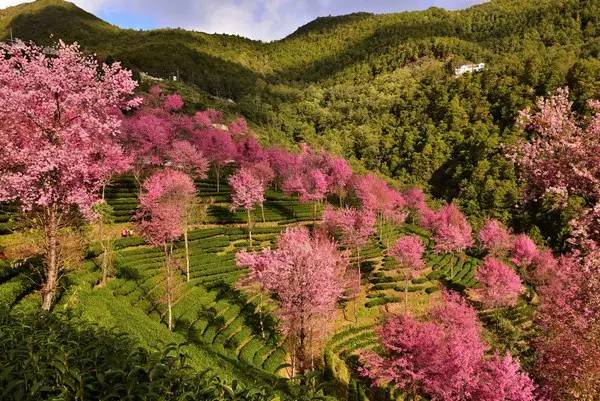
(160, 216)
(376, 195)
(499, 286)
(495, 238)
(312, 174)
(444, 358)
(451, 230)
(569, 321)
(524, 250)
(247, 189)
(352, 226)
(408, 252)
(563, 157)
(59, 118)
(306, 274)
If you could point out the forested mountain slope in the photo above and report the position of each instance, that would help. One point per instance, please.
(376, 88)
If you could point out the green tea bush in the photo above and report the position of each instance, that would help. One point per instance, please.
(56, 357)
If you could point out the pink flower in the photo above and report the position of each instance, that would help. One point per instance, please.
(160, 216)
(524, 250)
(173, 102)
(500, 285)
(451, 230)
(247, 190)
(494, 237)
(408, 252)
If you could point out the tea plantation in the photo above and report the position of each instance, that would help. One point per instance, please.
(229, 329)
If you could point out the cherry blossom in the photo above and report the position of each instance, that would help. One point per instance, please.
(59, 117)
(499, 284)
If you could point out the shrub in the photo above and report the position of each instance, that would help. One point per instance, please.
(59, 357)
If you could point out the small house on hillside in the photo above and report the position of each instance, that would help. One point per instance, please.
(463, 69)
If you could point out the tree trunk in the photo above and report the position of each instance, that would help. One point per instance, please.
(218, 171)
(262, 211)
(51, 259)
(260, 317)
(405, 293)
(187, 253)
(137, 177)
(169, 288)
(301, 355)
(107, 248)
(105, 265)
(249, 227)
(355, 300)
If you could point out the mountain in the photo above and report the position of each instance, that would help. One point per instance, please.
(379, 89)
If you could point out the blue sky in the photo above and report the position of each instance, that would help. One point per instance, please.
(256, 19)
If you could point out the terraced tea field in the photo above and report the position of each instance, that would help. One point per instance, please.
(231, 329)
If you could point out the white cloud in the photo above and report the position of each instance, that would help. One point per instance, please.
(258, 19)
(8, 3)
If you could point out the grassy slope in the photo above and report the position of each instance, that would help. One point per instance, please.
(221, 322)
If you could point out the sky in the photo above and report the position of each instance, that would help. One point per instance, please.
(257, 19)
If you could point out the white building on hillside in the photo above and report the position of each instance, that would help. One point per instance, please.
(463, 69)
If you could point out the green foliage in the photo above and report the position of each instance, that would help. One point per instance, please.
(61, 357)
(378, 89)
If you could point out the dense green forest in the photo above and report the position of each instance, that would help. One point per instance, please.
(377, 89)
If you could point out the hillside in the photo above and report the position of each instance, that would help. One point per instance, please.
(219, 321)
(376, 88)
(154, 249)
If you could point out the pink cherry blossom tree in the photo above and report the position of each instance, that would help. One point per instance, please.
(451, 230)
(186, 157)
(239, 126)
(568, 318)
(443, 358)
(59, 115)
(375, 194)
(339, 176)
(146, 135)
(218, 146)
(438, 357)
(283, 163)
(310, 185)
(408, 252)
(263, 171)
(524, 251)
(313, 175)
(500, 284)
(161, 219)
(415, 199)
(353, 228)
(249, 151)
(305, 274)
(502, 379)
(173, 102)
(562, 159)
(494, 238)
(247, 191)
